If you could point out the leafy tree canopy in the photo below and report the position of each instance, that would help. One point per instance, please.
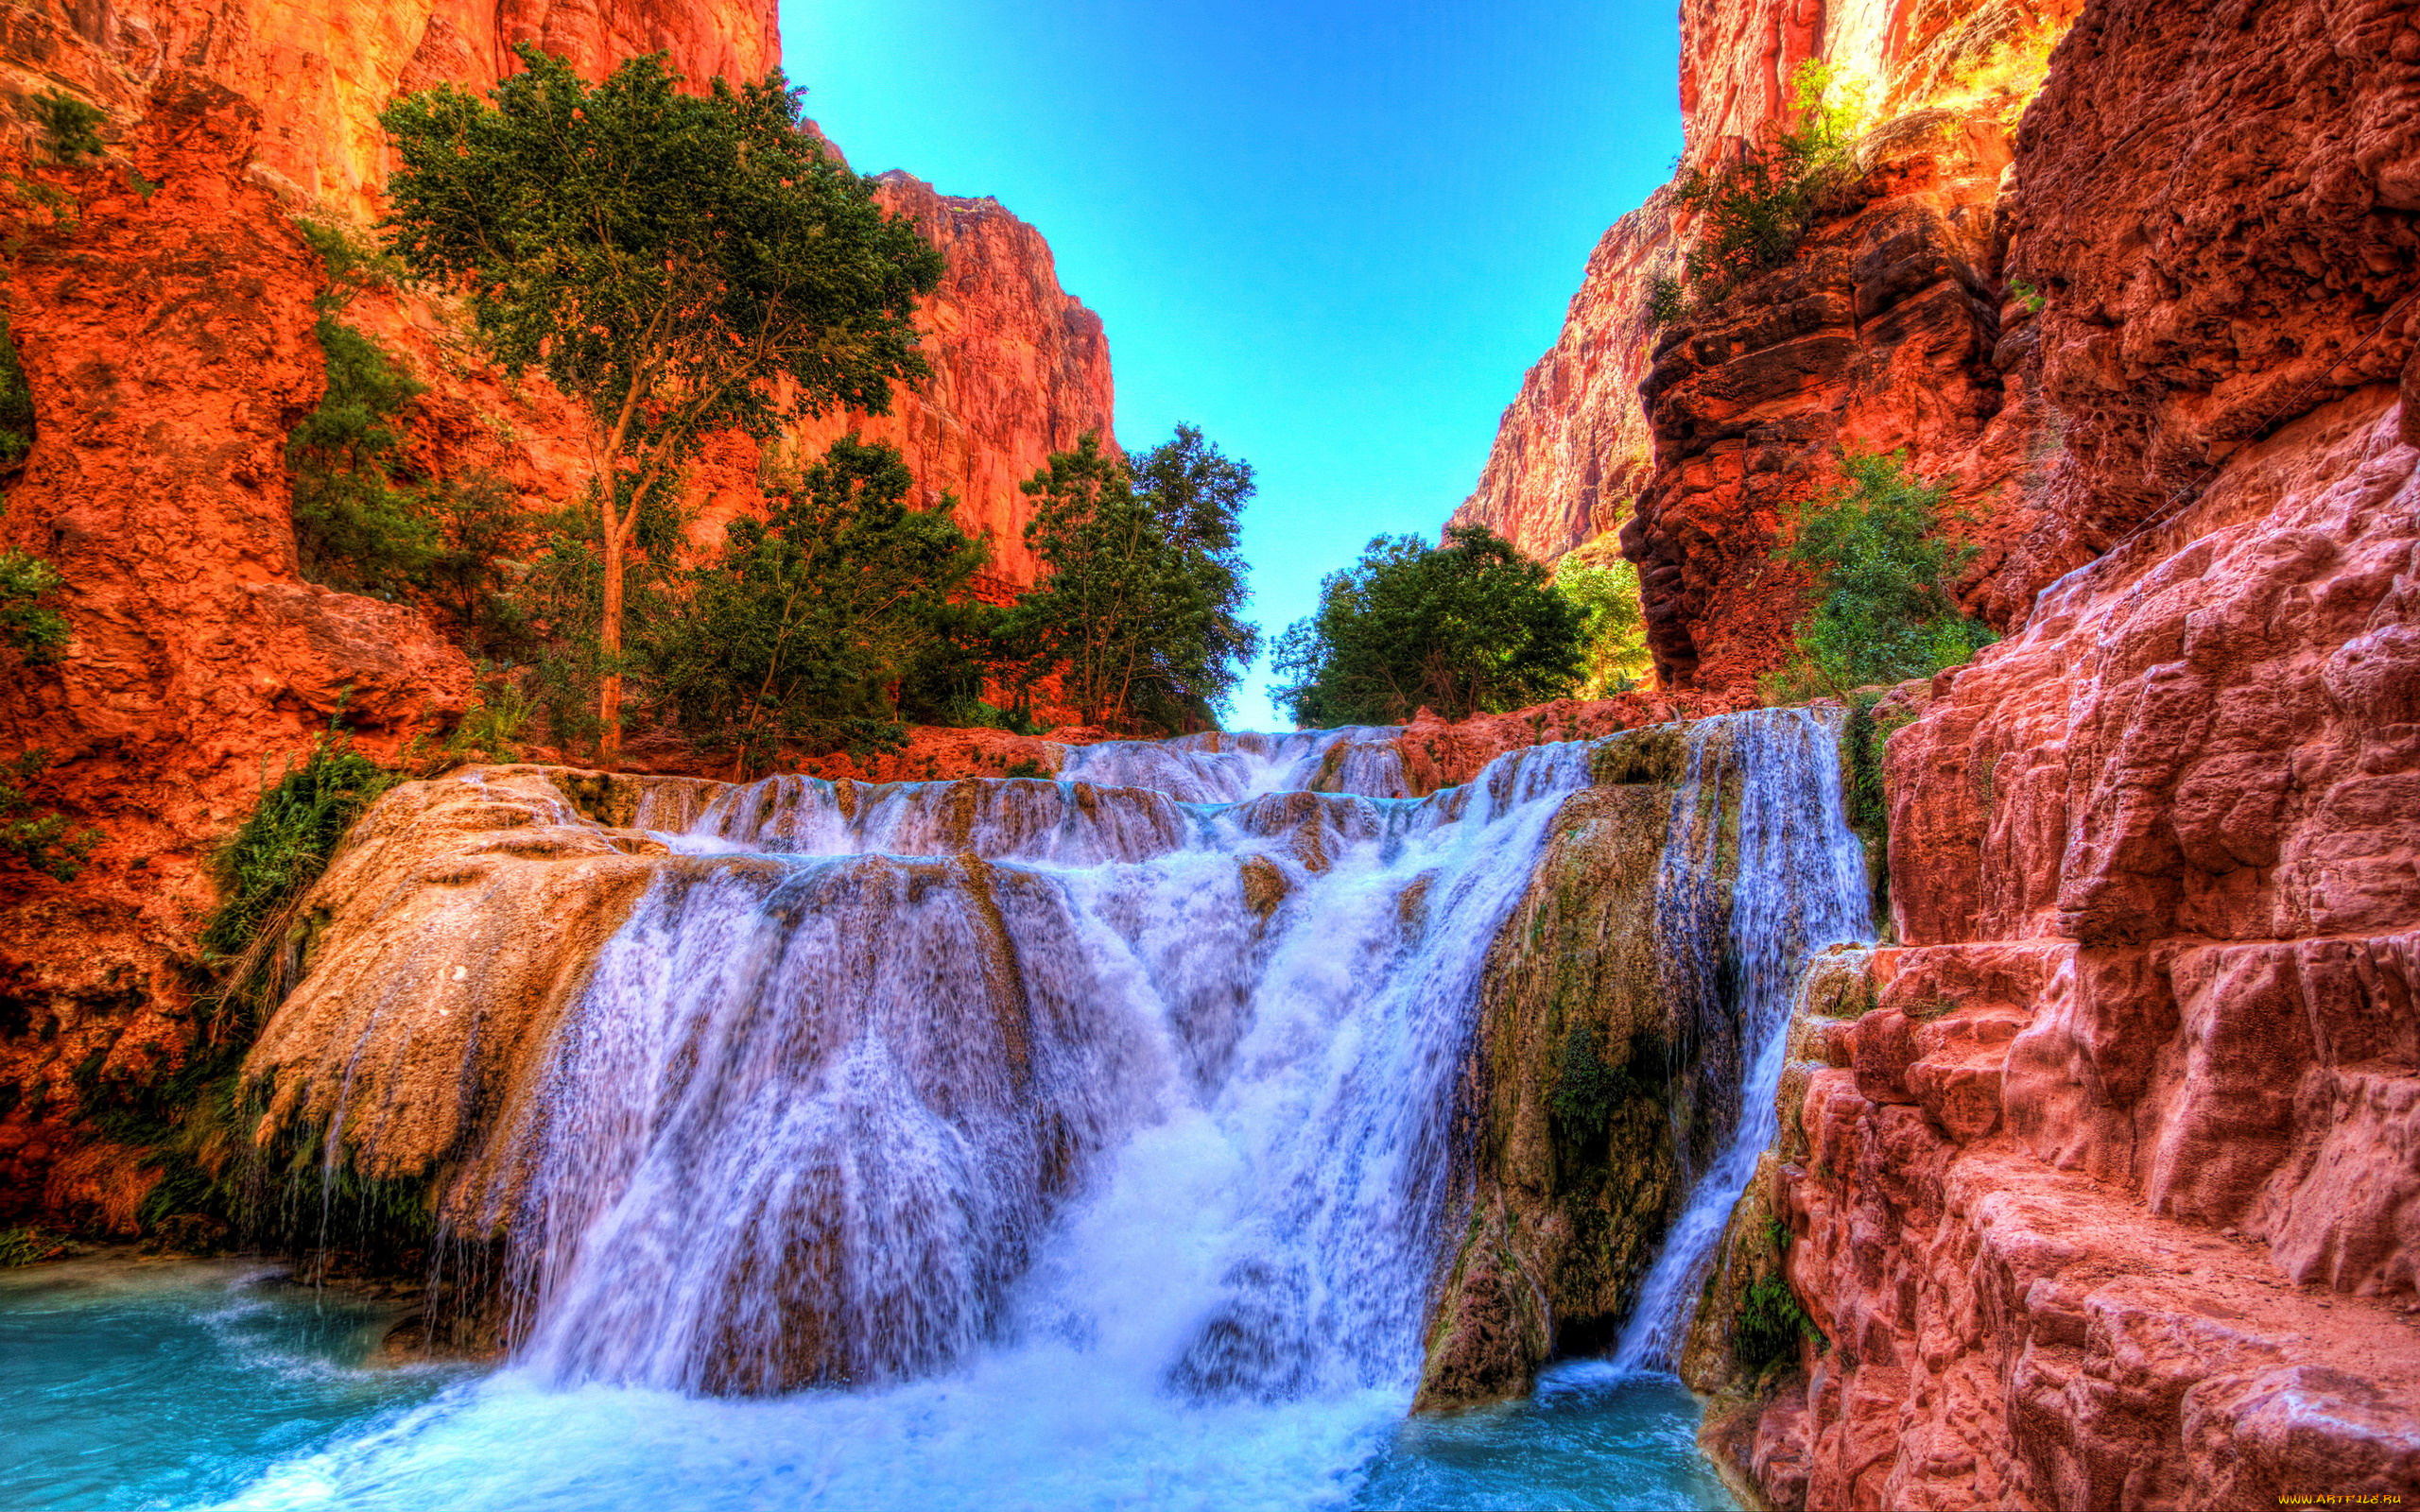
(678, 264)
(1138, 609)
(1613, 635)
(1881, 610)
(1468, 626)
(805, 623)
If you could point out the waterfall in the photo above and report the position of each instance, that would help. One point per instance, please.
(1156, 1058)
(1800, 886)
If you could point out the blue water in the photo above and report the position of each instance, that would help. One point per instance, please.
(172, 1384)
(188, 1383)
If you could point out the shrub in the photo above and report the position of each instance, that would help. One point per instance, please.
(1469, 626)
(34, 836)
(266, 867)
(355, 262)
(1881, 571)
(24, 1244)
(354, 528)
(70, 128)
(1757, 206)
(805, 621)
(1770, 1323)
(27, 627)
(16, 404)
(1612, 636)
(1667, 300)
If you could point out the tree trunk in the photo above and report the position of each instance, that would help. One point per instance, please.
(609, 636)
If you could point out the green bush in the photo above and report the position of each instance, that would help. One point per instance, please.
(34, 836)
(354, 528)
(1612, 636)
(70, 128)
(1769, 1324)
(16, 403)
(355, 262)
(1667, 300)
(1881, 571)
(266, 867)
(804, 623)
(24, 1244)
(27, 627)
(1469, 626)
(1756, 206)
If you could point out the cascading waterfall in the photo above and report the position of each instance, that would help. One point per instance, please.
(1073, 1143)
(822, 1102)
(1800, 886)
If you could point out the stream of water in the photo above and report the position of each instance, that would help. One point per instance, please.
(1075, 1143)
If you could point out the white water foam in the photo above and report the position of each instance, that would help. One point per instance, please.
(1801, 887)
(1061, 1143)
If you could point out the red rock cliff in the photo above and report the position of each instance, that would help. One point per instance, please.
(2110, 1201)
(1887, 332)
(167, 339)
(1020, 370)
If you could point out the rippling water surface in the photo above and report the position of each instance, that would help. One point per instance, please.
(196, 1384)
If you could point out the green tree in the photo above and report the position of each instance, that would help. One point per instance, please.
(1612, 634)
(1468, 626)
(678, 264)
(806, 621)
(1758, 203)
(1138, 609)
(1881, 608)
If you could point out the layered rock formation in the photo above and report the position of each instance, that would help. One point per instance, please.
(320, 73)
(1889, 330)
(163, 313)
(2107, 1203)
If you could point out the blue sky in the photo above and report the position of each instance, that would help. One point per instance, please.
(1331, 232)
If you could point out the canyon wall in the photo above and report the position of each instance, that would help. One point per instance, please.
(1020, 370)
(163, 313)
(1704, 419)
(2107, 1198)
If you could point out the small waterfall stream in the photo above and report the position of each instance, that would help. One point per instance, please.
(1800, 887)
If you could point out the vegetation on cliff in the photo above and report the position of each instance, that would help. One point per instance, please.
(1613, 635)
(1468, 626)
(34, 836)
(1758, 205)
(1881, 567)
(678, 264)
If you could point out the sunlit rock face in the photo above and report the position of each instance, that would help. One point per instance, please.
(1889, 330)
(2107, 1202)
(168, 341)
(1020, 370)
